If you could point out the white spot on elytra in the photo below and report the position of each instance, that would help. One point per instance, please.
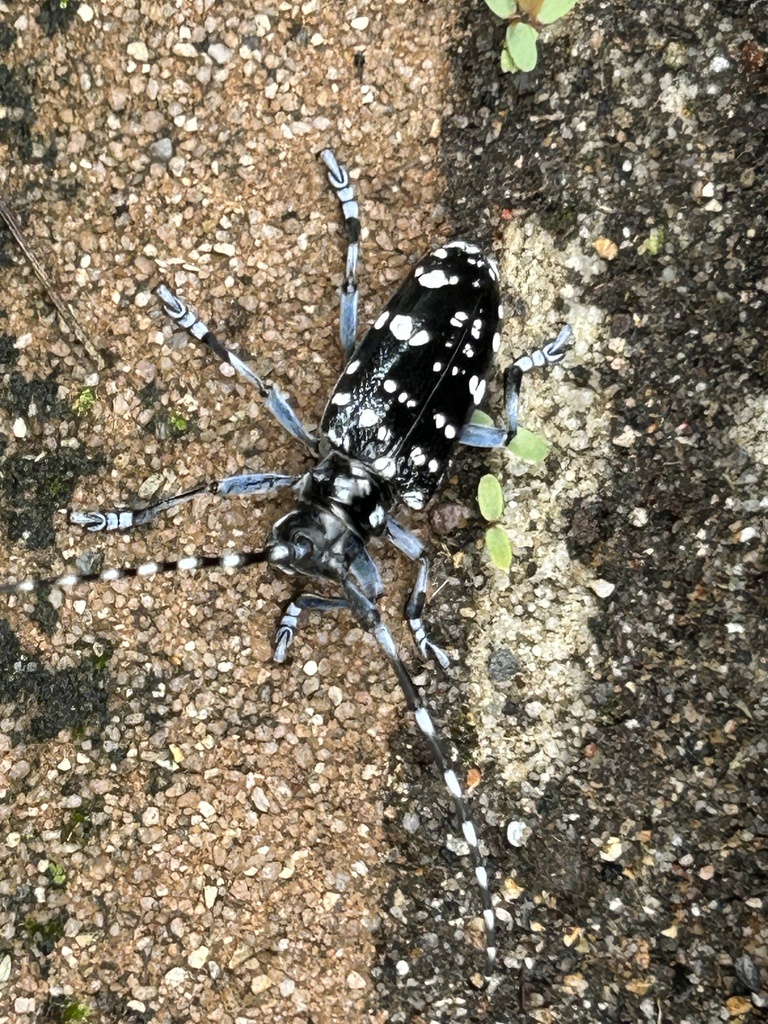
(390, 386)
(418, 458)
(477, 326)
(419, 270)
(420, 338)
(501, 312)
(341, 398)
(482, 876)
(450, 431)
(437, 279)
(468, 351)
(401, 327)
(479, 392)
(440, 253)
(403, 396)
(433, 466)
(383, 434)
(437, 367)
(368, 417)
(496, 343)
(493, 270)
(383, 317)
(439, 420)
(469, 833)
(351, 367)
(385, 466)
(464, 246)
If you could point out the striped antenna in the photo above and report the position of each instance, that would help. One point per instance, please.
(233, 560)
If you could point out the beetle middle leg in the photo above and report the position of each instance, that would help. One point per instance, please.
(338, 178)
(228, 487)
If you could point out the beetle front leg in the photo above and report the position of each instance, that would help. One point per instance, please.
(289, 621)
(339, 180)
(275, 401)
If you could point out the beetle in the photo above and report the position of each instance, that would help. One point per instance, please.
(401, 405)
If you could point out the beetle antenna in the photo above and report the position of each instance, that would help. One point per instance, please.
(370, 618)
(230, 560)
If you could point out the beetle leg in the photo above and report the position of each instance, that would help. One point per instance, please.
(275, 401)
(478, 435)
(411, 546)
(228, 487)
(338, 177)
(286, 629)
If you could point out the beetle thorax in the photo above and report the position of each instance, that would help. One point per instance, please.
(350, 490)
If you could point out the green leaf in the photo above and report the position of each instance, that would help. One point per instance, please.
(529, 446)
(507, 64)
(499, 548)
(482, 419)
(551, 10)
(502, 8)
(653, 242)
(520, 43)
(489, 498)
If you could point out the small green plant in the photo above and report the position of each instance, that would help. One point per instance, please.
(525, 445)
(526, 19)
(75, 1011)
(653, 242)
(57, 875)
(491, 502)
(84, 402)
(178, 424)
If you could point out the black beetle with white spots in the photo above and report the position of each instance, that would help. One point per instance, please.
(402, 403)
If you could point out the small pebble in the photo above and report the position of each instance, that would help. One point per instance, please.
(197, 957)
(138, 51)
(602, 587)
(517, 833)
(220, 53)
(611, 850)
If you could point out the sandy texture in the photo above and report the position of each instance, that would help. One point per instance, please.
(189, 832)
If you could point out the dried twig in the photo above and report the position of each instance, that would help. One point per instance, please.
(63, 308)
